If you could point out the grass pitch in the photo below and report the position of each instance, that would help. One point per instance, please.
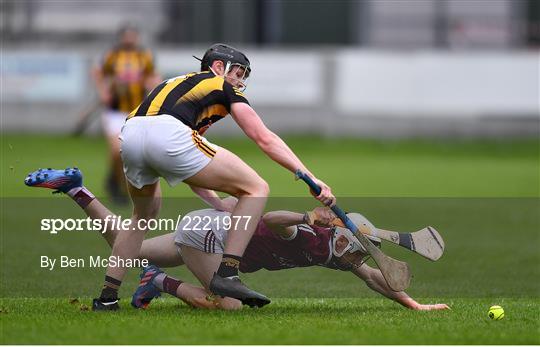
(351, 167)
(287, 321)
(481, 196)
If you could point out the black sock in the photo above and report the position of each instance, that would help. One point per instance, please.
(229, 265)
(110, 289)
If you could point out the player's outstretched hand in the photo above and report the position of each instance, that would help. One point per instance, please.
(413, 305)
(431, 307)
(326, 197)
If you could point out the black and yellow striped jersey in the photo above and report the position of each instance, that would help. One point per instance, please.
(197, 99)
(128, 69)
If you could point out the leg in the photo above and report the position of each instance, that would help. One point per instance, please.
(96, 210)
(70, 182)
(145, 193)
(116, 167)
(229, 174)
(112, 122)
(154, 281)
(203, 265)
(147, 202)
(161, 251)
(127, 245)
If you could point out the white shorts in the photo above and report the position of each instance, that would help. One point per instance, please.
(204, 230)
(112, 122)
(162, 146)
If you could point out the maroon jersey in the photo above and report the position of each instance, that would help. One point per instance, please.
(309, 246)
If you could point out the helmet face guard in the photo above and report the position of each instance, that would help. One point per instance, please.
(353, 247)
(353, 244)
(240, 82)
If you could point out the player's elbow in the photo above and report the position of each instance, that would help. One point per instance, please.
(267, 217)
(270, 217)
(265, 140)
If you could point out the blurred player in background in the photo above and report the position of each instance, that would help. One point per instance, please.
(125, 76)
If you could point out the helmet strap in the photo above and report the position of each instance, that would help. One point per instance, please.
(227, 68)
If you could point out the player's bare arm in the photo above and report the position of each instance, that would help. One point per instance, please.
(273, 146)
(282, 223)
(375, 281)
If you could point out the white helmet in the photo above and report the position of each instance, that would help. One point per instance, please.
(354, 245)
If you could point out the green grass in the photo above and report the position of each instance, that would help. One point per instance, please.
(287, 321)
(481, 196)
(351, 167)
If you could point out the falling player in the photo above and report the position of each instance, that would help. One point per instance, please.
(282, 240)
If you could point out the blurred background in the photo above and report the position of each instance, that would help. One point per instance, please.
(435, 101)
(369, 68)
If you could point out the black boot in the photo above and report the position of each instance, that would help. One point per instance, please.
(234, 288)
(101, 305)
